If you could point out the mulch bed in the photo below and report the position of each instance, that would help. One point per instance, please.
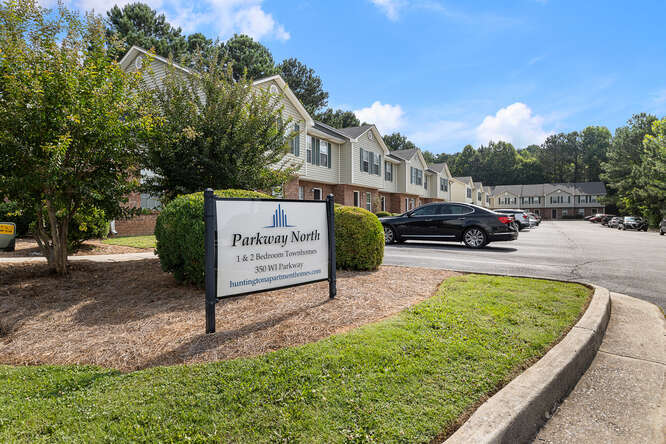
(131, 315)
(27, 247)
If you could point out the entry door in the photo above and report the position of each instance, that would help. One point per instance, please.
(553, 213)
(316, 194)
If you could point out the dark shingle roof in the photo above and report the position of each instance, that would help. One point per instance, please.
(542, 189)
(438, 167)
(330, 130)
(466, 179)
(404, 154)
(354, 131)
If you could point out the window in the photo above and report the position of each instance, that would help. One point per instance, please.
(324, 151)
(428, 210)
(581, 211)
(316, 193)
(478, 196)
(568, 199)
(365, 161)
(296, 141)
(301, 193)
(454, 209)
(425, 182)
(376, 163)
(383, 203)
(406, 204)
(469, 193)
(443, 184)
(357, 199)
(311, 143)
(565, 212)
(388, 171)
(416, 176)
(411, 203)
(554, 213)
(368, 201)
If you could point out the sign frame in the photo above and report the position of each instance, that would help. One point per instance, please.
(211, 249)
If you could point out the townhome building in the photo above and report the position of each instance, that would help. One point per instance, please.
(463, 189)
(354, 164)
(551, 200)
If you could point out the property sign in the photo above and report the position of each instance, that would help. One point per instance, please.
(256, 245)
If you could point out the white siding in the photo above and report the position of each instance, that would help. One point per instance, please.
(392, 186)
(321, 173)
(567, 200)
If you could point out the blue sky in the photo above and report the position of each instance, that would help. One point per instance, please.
(450, 73)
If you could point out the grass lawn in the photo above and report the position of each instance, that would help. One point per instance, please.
(405, 379)
(132, 241)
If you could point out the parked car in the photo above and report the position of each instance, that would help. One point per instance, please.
(606, 218)
(589, 217)
(614, 222)
(662, 226)
(596, 217)
(475, 226)
(522, 219)
(632, 223)
(535, 217)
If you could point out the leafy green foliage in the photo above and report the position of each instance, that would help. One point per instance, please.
(87, 223)
(218, 132)
(304, 83)
(338, 118)
(11, 211)
(179, 232)
(359, 239)
(405, 379)
(71, 121)
(138, 24)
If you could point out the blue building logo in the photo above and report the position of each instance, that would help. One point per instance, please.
(279, 219)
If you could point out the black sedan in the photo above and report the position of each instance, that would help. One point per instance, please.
(475, 226)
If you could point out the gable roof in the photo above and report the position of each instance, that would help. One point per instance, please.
(465, 179)
(478, 185)
(354, 132)
(321, 126)
(288, 94)
(404, 154)
(134, 51)
(543, 189)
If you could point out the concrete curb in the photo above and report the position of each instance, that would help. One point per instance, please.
(516, 413)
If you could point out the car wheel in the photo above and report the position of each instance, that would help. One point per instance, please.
(475, 237)
(389, 235)
(661, 232)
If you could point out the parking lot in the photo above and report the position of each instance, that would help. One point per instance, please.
(628, 262)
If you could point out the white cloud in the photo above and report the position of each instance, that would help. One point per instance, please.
(387, 118)
(515, 124)
(389, 7)
(226, 17)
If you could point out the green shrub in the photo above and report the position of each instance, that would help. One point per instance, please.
(383, 214)
(359, 239)
(87, 223)
(179, 232)
(11, 212)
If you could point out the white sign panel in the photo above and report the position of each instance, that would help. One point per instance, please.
(264, 244)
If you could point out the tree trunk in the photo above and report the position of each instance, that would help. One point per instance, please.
(57, 238)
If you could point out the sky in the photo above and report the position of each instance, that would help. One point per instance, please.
(447, 74)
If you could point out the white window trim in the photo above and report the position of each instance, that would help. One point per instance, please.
(357, 198)
(321, 194)
(368, 201)
(301, 193)
(383, 202)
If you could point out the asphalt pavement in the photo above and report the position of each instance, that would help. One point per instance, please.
(628, 262)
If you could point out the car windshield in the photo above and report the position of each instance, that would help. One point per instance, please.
(629, 219)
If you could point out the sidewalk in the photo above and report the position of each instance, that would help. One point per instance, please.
(93, 258)
(621, 398)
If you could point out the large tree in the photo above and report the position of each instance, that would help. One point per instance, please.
(218, 132)
(305, 83)
(70, 121)
(248, 58)
(138, 24)
(338, 118)
(595, 141)
(620, 171)
(651, 193)
(396, 141)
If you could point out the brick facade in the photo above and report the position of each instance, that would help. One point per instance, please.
(142, 225)
(547, 213)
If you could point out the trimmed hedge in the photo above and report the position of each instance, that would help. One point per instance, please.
(179, 232)
(383, 214)
(359, 239)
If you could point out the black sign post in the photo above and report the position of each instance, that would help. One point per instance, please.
(210, 252)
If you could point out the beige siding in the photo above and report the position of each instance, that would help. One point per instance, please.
(320, 173)
(392, 186)
(361, 177)
(458, 192)
(567, 200)
(414, 188)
